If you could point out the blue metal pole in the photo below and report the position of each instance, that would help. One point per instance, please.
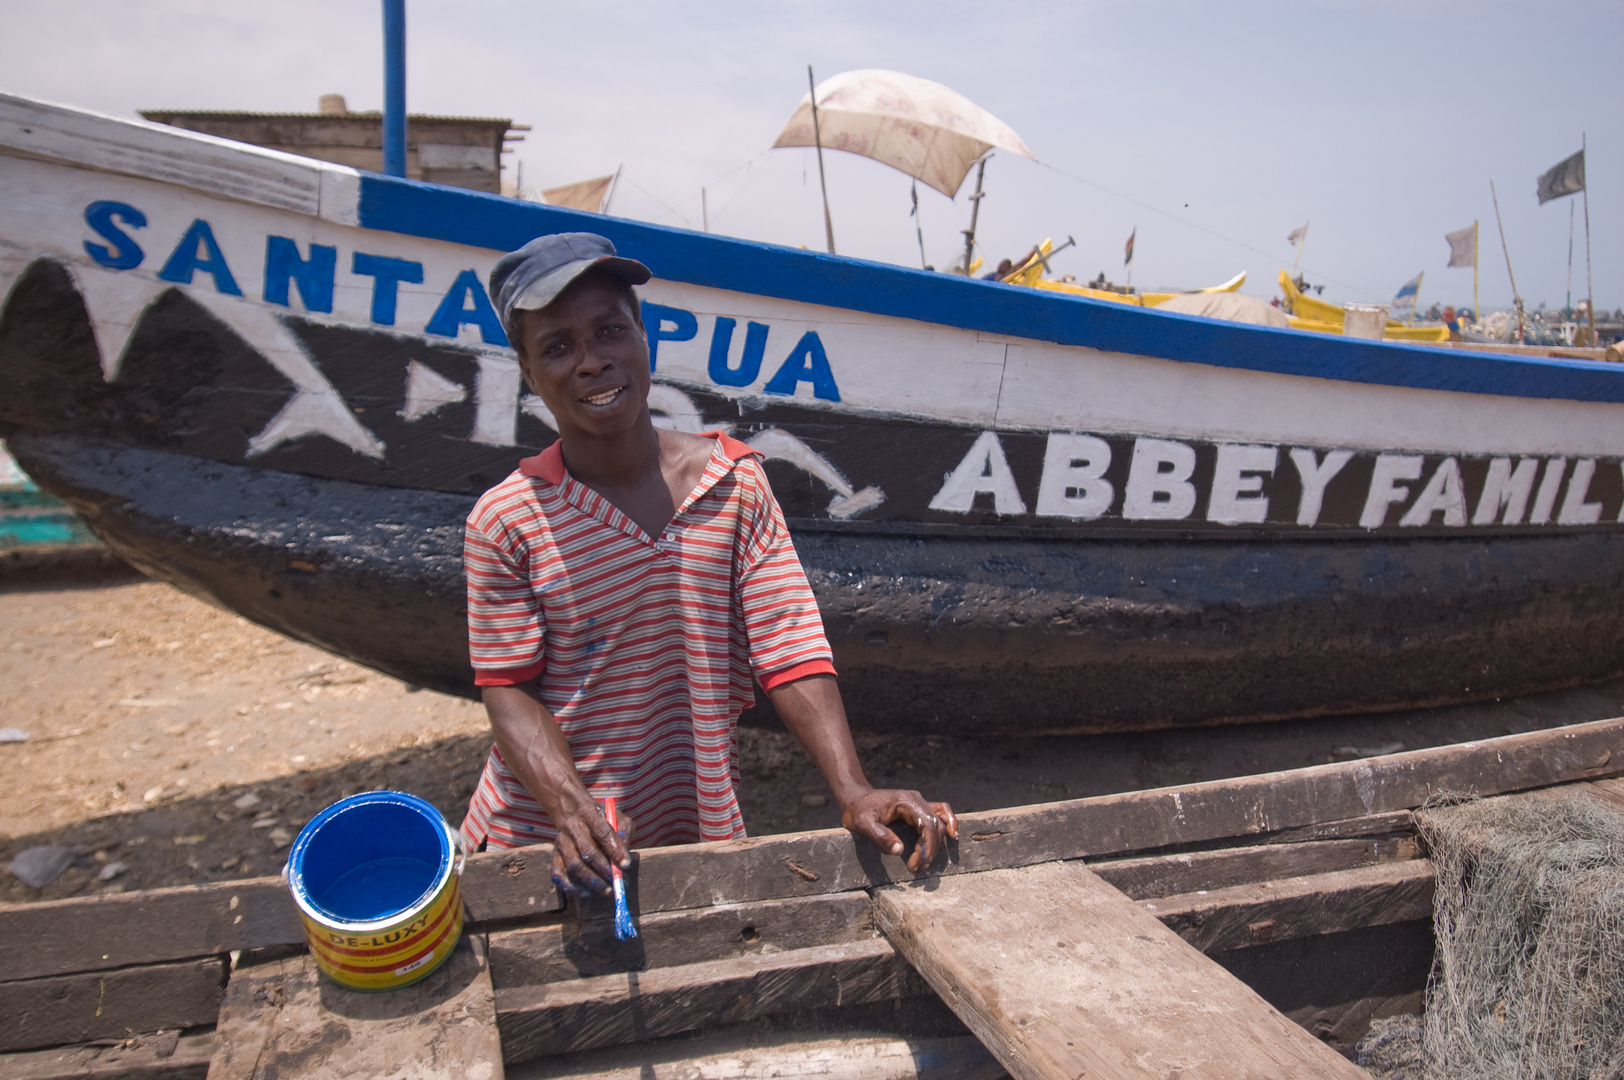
(394, 87)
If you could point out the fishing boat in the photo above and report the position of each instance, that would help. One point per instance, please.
(1251, 926)
(278, 383)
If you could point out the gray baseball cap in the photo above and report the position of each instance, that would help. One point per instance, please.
(532, 277)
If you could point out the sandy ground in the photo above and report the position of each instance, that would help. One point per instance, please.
(185, 744)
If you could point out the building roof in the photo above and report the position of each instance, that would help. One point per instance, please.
(164, 115)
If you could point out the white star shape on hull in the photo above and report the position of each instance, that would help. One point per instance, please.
(316, 408)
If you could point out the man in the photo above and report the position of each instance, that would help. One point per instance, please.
(623, 587)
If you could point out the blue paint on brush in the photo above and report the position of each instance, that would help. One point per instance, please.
(624, 930)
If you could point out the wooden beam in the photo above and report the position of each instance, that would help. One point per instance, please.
(751, 1056)
(96, 1005)
(1151, 876)
(1263, 912)
(1062, 976)
(576, 948)
(99, 932)
(62, 936)
(1244, 809)
(283, 1019)
(608, 1010)
(164, 1056)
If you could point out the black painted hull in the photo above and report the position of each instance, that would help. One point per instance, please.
(272, 382)
(930, 635)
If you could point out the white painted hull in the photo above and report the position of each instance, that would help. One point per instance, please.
(241, 310)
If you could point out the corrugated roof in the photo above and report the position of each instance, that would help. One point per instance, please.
(159, 116)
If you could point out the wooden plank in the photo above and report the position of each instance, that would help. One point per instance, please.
(1244, 808)
(92, 933)
(608, 1010)
(165, 1056)
(1062, 976)
(1151, 876)
(1258, 913)
(576, 948)
(1391, 823)
(77, 1008)
(282, 1019)
(166, 924)
(751, 1055)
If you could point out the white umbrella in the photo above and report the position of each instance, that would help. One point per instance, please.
(922, 128)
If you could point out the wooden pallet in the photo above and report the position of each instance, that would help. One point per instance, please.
(1265, 875)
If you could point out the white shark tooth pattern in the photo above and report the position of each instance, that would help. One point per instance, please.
(13, 261)
(427, 391)
(778, 444)
(115, 301)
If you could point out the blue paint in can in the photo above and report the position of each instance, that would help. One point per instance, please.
(370, 857)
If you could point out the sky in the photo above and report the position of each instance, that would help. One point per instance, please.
(1212, 129)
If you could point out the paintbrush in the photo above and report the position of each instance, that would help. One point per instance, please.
(624, 930)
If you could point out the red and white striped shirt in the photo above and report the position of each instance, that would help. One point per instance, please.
(641, 648)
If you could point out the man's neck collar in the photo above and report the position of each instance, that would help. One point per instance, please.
(549, 464)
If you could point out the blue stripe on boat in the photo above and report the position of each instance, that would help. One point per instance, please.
(502, 224)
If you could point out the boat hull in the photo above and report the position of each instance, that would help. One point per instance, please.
(945, 635)
(278, 383)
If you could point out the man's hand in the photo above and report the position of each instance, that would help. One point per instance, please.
(583, 850)
(868, 815)
(539, 755)
(813, 712)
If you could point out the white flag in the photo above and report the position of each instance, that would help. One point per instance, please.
(1463, 246)
(1296, 235)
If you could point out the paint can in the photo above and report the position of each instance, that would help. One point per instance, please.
(376, 877)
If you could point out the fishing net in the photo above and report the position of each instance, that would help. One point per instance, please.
(1528, 979)
(1392, 1050)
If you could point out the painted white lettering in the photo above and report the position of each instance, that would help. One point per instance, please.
(1384, 487)
(1444, 494)
(496, 400)
(1159, 485)
(1575, 511)
(1549, 484)
(1073, 483)
(1237, 483)
(984, 468)
(1315, 476)
(1504, 487)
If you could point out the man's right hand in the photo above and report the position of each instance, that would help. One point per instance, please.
(539, 755)
(585, 847)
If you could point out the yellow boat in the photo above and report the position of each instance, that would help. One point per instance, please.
(1303, 312)
(1030, 274)
(1307, 313)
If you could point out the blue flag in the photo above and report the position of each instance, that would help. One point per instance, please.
(1403, 305)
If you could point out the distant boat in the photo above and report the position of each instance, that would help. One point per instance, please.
(278, 383)
(35, 521)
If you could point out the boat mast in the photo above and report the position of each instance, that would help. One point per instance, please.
(1516, 297)
(975, 211)
(1590, 294)
(817, 137)
(394, 87)
(1477, 312)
